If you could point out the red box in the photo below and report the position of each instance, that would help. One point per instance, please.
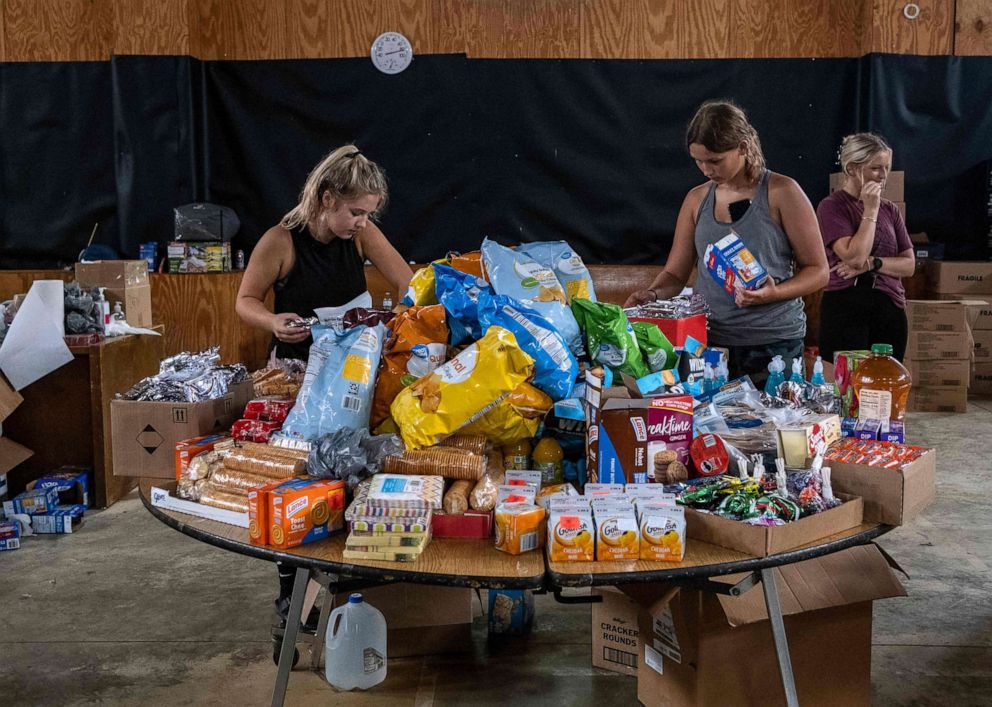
(676, 330)
(470, 524)
(268, 409)
(254, 430)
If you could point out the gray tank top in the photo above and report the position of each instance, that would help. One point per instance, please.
(731, 325)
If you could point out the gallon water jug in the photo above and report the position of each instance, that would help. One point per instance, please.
(355, 655)
(881, 385)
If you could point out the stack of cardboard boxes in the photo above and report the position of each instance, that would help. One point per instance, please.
(938, 354)
(971, 283)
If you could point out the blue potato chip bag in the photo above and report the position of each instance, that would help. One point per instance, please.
(459, 293)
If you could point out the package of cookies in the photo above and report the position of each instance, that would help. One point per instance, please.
(295, 512)
(449, 462)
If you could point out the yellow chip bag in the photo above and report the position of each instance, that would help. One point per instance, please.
(421, 288)
(462, 390)
(515, 418)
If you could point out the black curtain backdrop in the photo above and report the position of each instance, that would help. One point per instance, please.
(518, 150)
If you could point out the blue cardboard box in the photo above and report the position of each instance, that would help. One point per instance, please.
(867, 428)
(511, 611)
(892, 431)
(33, 501)
(60, 520)
(72, 483)
(733, 266)
(10, 535)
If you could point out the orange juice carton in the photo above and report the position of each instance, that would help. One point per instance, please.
(516, 477)
(617, 533)
(603, 489)
(303, 511)
(512, 493)
(519, 527)
(572, 532)
(662, 532)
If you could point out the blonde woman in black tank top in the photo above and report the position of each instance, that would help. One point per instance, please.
(780, 222)
(314, 257)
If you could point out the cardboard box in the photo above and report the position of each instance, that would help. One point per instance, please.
(614, 631)
(691, 643)
(798, 442)
(762, 541)
(894, 190)
(937, 345)
(136, 303)
(12, 454)
(145, 434)
(71, 483)
(893, 496)
(942, 315)
(677, 330)
(980, 307)
(10, 535)
(938, 399)
(112, 274)
(61, 520)
(926, 374)
(9, 399)
(983, 346)
(470, 524)
(422, 619)
(981, 379)
(960, 277)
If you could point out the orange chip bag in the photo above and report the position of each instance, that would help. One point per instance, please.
(417, 346)
(462, 390)
(470, 263)
(515, 418)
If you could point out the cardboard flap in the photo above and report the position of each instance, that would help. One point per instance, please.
(847, 577)
(12, 454)
(9, 399)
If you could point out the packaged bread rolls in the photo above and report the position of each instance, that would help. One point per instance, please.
(456, 498)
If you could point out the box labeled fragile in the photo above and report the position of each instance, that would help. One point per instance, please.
(733, 266)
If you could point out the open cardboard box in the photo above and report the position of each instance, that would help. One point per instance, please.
(164, 495)
(893, 496)
(11, 453)
(762, 541)
(700, 648)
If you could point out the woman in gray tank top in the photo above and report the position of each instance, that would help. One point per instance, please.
(772, 216)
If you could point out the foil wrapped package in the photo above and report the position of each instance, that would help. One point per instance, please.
(188, 377)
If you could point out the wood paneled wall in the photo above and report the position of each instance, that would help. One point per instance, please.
(61, 30)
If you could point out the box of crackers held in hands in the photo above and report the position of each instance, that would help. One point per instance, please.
(295, 512)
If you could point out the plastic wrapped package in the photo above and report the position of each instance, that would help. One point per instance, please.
(484, 493)
(417, 345)
(455, 499)
(448, 462)
(459, 293)
(190, 489)
(222, 498)
(610, 337)
(280, 377)
(656, 349)
(358, 316)
(337, 389)
(566, 265)
(517, 275)
(273, 465)
(338, 454)
(421, 288)
(188, 377)
(462, 390)
(476, 444)
(517, 417)
(555, 368)
(237, 481)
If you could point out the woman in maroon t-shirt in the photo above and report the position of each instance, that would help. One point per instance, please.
(868, 250)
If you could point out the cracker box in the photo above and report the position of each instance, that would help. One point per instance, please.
(571, 532)
(519, 527)
(617, 533)
(733, 266)
(60, 520)
(299, 511)
(39, 500)
(10, 535)
(662, 531)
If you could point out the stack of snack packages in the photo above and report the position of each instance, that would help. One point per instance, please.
(940, 352)
(613, 522)
(390, 517)
(519, 516)
(261, 418)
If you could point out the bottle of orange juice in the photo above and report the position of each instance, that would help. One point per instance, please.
(516, 456)
(881, 385)
(548, 458)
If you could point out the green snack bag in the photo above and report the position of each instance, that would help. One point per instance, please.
(655, 347)
(609, 336)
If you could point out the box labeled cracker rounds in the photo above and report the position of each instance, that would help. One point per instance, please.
(295, 512)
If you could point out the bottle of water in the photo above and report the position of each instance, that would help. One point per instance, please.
(387, 300)
(355, 646)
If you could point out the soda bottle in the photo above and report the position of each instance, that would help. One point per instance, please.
(881, 385)
(516, 456)
(355, 646)
(547, 458)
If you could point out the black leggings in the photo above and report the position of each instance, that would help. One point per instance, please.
(855, 318)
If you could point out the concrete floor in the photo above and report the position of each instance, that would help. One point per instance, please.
(128, 611)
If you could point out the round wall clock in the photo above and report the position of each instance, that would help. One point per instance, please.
(391, 52)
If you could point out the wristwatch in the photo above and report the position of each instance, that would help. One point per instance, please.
(876, 263)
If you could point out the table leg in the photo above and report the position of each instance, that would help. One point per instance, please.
(293, 618)
(778, 633)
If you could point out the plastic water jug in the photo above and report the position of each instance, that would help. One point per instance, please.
(355, 646)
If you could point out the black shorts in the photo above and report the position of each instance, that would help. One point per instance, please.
(855, 318)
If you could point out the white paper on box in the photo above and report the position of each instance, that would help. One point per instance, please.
(667, 651)
(34, 346)
(652, 659)
(162, 499)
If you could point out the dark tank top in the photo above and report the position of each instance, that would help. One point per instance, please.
(323, 275)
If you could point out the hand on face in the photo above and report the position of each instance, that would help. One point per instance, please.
(871, 197)
(284, 332)
(763, 295)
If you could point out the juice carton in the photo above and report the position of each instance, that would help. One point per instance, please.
(617, 533)
(571, 531)
(519, 527)
(662, 532)
(733, 266)
(669, 429)
(303, 510)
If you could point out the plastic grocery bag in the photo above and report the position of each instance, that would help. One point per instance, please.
(517, 417)
(610, 337)
(555, 368)
(519, 276)
(417, 346)
(337, 388)
(656, 349)
(459, 293)
(462, 390)
(566, 265)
